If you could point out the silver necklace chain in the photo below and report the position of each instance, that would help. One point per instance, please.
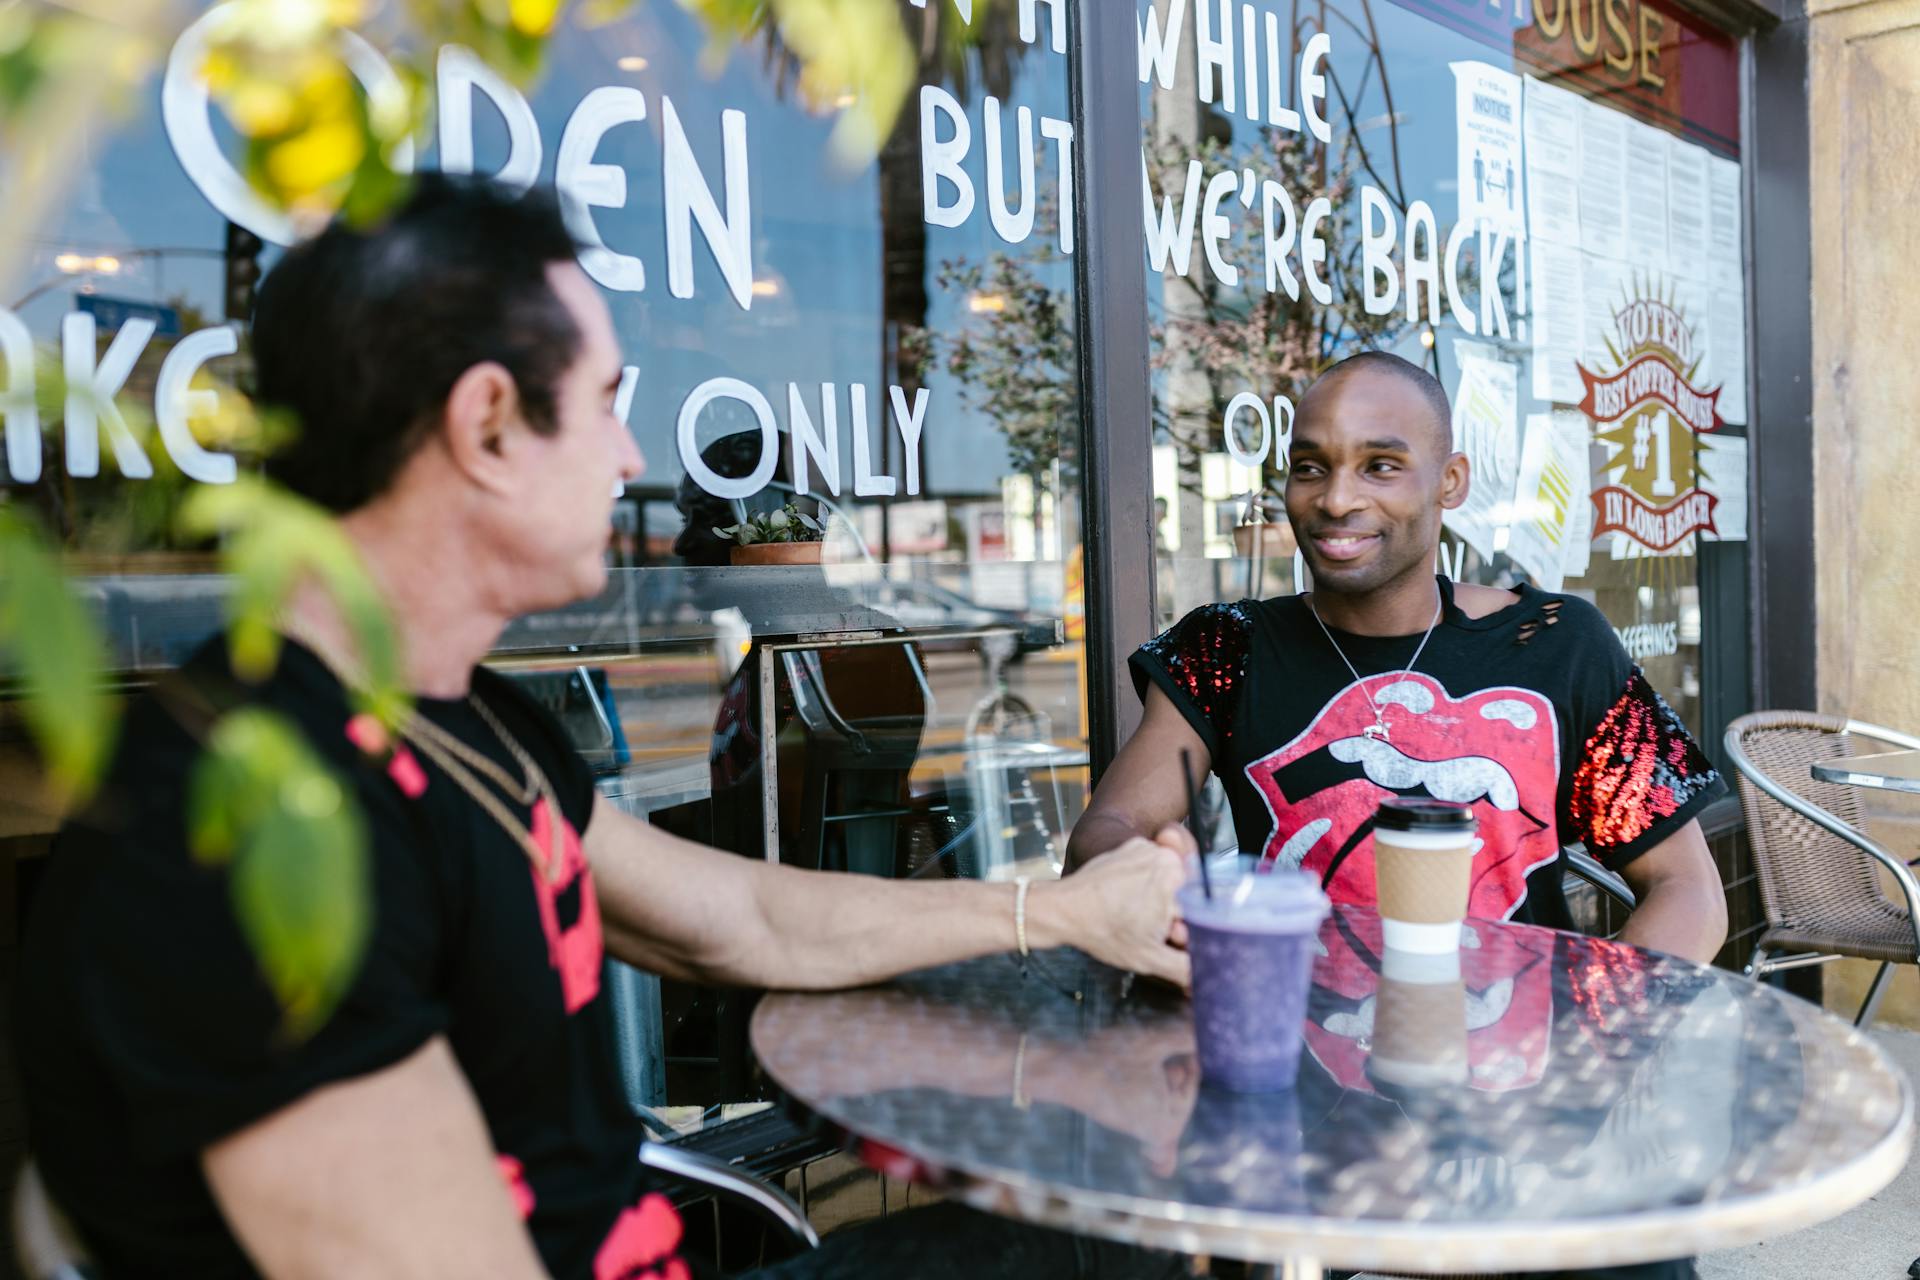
(1378, 729)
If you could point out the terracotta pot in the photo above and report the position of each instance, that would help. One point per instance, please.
(779, 553)
(1276, 540)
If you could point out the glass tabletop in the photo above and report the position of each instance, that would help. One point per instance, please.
(1614, 1106)
(1888, 770)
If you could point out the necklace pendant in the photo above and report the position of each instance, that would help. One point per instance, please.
(1378, 729)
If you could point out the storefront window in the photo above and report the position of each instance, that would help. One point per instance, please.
(885, 345)
(1539, 203)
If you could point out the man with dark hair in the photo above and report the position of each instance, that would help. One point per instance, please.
(1387, 680)
(453, 372)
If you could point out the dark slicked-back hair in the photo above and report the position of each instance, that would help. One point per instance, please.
(361, 332)
(1413, 375)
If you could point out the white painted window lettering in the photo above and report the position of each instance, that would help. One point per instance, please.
(1456, 303)
(1011, 225)
(866, 483)
(176, 403)
(1159, 46)
(461, 74)
(1061, 134)
(1313, 85)
(1214, 52)
(91, 387)
(1380, 281)
(1274, 198)
(1030, 26)
(1423, 266)
(1278, 115)
(1313, 250)
(1493, 303)
(963, 7)
(810, 444)
(687, 437)
(1215, 228)
(184, 107)
(940, 161)
(910, 420)
(690, 200)
(1167, 242)
(1247, 400)
(584, 185)
(17, 404)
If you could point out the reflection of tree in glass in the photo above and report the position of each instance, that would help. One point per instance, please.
(1246, 339)
(1018, 364)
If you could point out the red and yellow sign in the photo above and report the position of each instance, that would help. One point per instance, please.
(1651, 416)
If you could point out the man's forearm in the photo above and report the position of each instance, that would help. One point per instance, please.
(1094, 834)
(1681, 916)
(821, 932)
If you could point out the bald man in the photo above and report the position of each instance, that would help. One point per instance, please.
(1389, 680)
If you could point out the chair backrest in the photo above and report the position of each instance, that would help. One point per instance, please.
(1804, 867)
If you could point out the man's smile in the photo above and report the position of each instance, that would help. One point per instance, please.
(1344, 546)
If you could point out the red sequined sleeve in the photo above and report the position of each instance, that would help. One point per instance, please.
(1640, 778)
(1200, 663)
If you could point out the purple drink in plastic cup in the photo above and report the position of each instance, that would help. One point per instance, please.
(1252, 945)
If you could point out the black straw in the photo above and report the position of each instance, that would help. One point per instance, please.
(1193, 820)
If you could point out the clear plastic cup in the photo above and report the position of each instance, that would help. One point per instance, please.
(1253, 945)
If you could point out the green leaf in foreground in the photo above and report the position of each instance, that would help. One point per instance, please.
(59, 655)
(264, 804)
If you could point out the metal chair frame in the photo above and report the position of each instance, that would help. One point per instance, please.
(48, 1248)
(1762, 963)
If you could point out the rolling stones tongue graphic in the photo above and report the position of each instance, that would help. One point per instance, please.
(1498, 751)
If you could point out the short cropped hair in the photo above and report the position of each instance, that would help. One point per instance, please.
(1398, 366)
(361, 332)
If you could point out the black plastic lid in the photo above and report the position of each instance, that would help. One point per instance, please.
(1418, 813)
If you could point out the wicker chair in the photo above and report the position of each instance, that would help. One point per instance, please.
(1819, 883)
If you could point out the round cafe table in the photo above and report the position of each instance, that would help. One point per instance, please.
(1610, 1106)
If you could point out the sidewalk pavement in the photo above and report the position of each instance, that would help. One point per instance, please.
(1876, 1241)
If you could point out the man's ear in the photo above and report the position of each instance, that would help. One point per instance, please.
(481, 415)
(1456, 477)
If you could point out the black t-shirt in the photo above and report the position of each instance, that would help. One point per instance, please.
(147, 1032)
(1534, 715)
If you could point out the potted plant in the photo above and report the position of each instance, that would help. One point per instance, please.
(786, 536)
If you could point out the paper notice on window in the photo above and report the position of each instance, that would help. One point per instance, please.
(1552, 490)
(1551, 126)
(1576, 431)
(1487, 116)
(1723, 473)
(1723, 211)
(1646, 182)
(1687, 214)
(1603, 180)
(1486, 407)
(1559, 320)
(1604, 294)
(1727, 298)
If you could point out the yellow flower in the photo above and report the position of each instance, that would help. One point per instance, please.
(317, 158)
(534, 17)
